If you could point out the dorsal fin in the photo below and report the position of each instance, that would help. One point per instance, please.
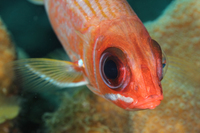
(37, 2)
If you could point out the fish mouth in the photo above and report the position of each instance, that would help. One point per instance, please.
(149, 105)
(150, 102)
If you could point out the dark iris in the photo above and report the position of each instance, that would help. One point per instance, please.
(110, 69)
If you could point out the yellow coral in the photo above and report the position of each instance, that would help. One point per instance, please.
(9, 108)
(177, 30)
(179, 111)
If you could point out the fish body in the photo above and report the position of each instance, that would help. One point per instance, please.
(110, 47)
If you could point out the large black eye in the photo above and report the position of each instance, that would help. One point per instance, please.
(112, 68)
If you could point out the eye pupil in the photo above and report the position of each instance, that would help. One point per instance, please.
(110, 69)
(163, 65)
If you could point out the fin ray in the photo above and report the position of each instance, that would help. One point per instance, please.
(42, 73)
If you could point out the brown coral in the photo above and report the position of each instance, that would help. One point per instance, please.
(9, 107)
(7, 55)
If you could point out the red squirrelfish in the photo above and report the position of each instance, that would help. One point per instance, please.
(110, 49)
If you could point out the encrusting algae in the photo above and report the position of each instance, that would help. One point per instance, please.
(9, 107)
(177, 30)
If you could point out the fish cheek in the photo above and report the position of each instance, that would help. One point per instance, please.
(112, 86)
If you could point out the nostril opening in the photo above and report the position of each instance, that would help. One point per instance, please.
(153, 96)
(136, 88)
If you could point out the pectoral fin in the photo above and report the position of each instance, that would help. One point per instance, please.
(47, 73)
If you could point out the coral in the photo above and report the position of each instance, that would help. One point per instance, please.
(179, 111)
(177, 31)
(9, 107)
(7, 51)
(4, 128)
(85, 113)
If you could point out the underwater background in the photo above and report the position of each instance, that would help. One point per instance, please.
(78, 110)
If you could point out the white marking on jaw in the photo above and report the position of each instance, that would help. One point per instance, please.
(115, 97)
